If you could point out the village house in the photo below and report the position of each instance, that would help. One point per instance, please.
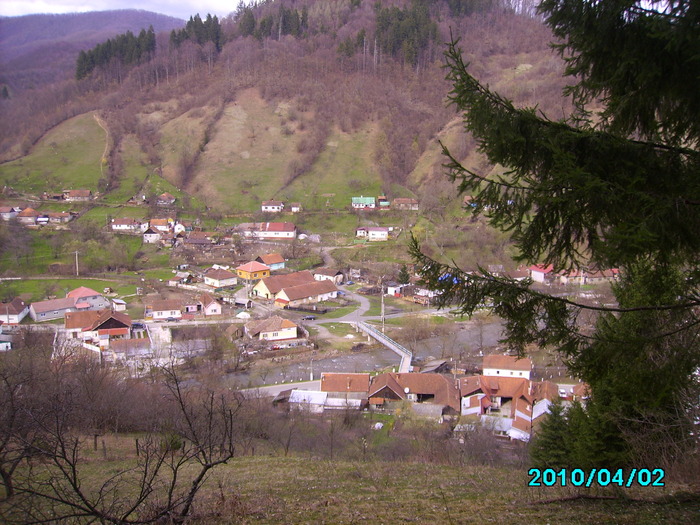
(507, 366)
(345, 382)
(383, 203)
(151, 236)
(162, 225)
(372, 233)
(328, 274)
(272, 206)
(274, 261)
(363, 203)
(59, 217)
(77, 195)
(180, 278)
(394, 289)
(268, 230)
(51, 309)
(403, 203)
(28, 216)
(8, 212)
(88, 299)
(199, 237)
(273, 328)
(430, 395)
(126, 225)
(219, 278)
(600, 276)
(508, 405)
(81, 298)
(541, 274)
(269, 287)
(345, 391)
(504, 397)
(295, 207)
(97, 327)
(209, 305)
(252, 272)
(14, 311)
(165, 199)
(314, 292)
(163, 310)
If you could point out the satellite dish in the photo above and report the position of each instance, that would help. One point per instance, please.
(406, 390)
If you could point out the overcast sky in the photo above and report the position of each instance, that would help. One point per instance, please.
(178, 8)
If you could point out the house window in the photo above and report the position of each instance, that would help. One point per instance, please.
(275, 334)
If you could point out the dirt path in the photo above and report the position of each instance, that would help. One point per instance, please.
(101, 123)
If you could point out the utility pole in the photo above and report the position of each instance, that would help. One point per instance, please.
(381, 291)
(77, 272)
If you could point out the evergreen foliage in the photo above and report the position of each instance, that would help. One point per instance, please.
(404, 33)
(404, 277)
(616, 189)
(199, 31)
(126, 49)
(289, 21)
(551, 448)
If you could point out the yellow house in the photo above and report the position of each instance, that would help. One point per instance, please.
(252, 272)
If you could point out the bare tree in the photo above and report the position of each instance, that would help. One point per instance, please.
(192, 433)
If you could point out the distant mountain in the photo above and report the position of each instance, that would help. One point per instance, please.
(40, 49)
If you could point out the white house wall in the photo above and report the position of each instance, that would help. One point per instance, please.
(504, 372)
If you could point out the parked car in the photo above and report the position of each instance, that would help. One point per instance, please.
(350, 282)
(309, 318)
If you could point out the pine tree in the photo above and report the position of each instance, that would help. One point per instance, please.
(620, 188)
(549, 448)
(404, 277)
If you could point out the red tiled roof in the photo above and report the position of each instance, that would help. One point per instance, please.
(53, 304)
(271, 324)
(253, 266)
(277, 227)
(275, 283)
(444, 390)
(333, 382)
(28, 212)
(326, 271)
(219, 274)
(271, 258)
(308, 290)
(163, 305)
(545, 390)
(14, 307)
(82, 291)
(507, 362)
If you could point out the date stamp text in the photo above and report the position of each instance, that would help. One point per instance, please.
(602, 477)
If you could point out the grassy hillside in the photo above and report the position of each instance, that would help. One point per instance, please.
(246, 157)
(67, 157)
(344, 169)
(272, 489)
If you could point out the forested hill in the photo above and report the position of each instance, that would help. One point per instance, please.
(293, 98)
(39, 49)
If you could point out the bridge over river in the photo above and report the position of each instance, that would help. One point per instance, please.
(404, 353)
